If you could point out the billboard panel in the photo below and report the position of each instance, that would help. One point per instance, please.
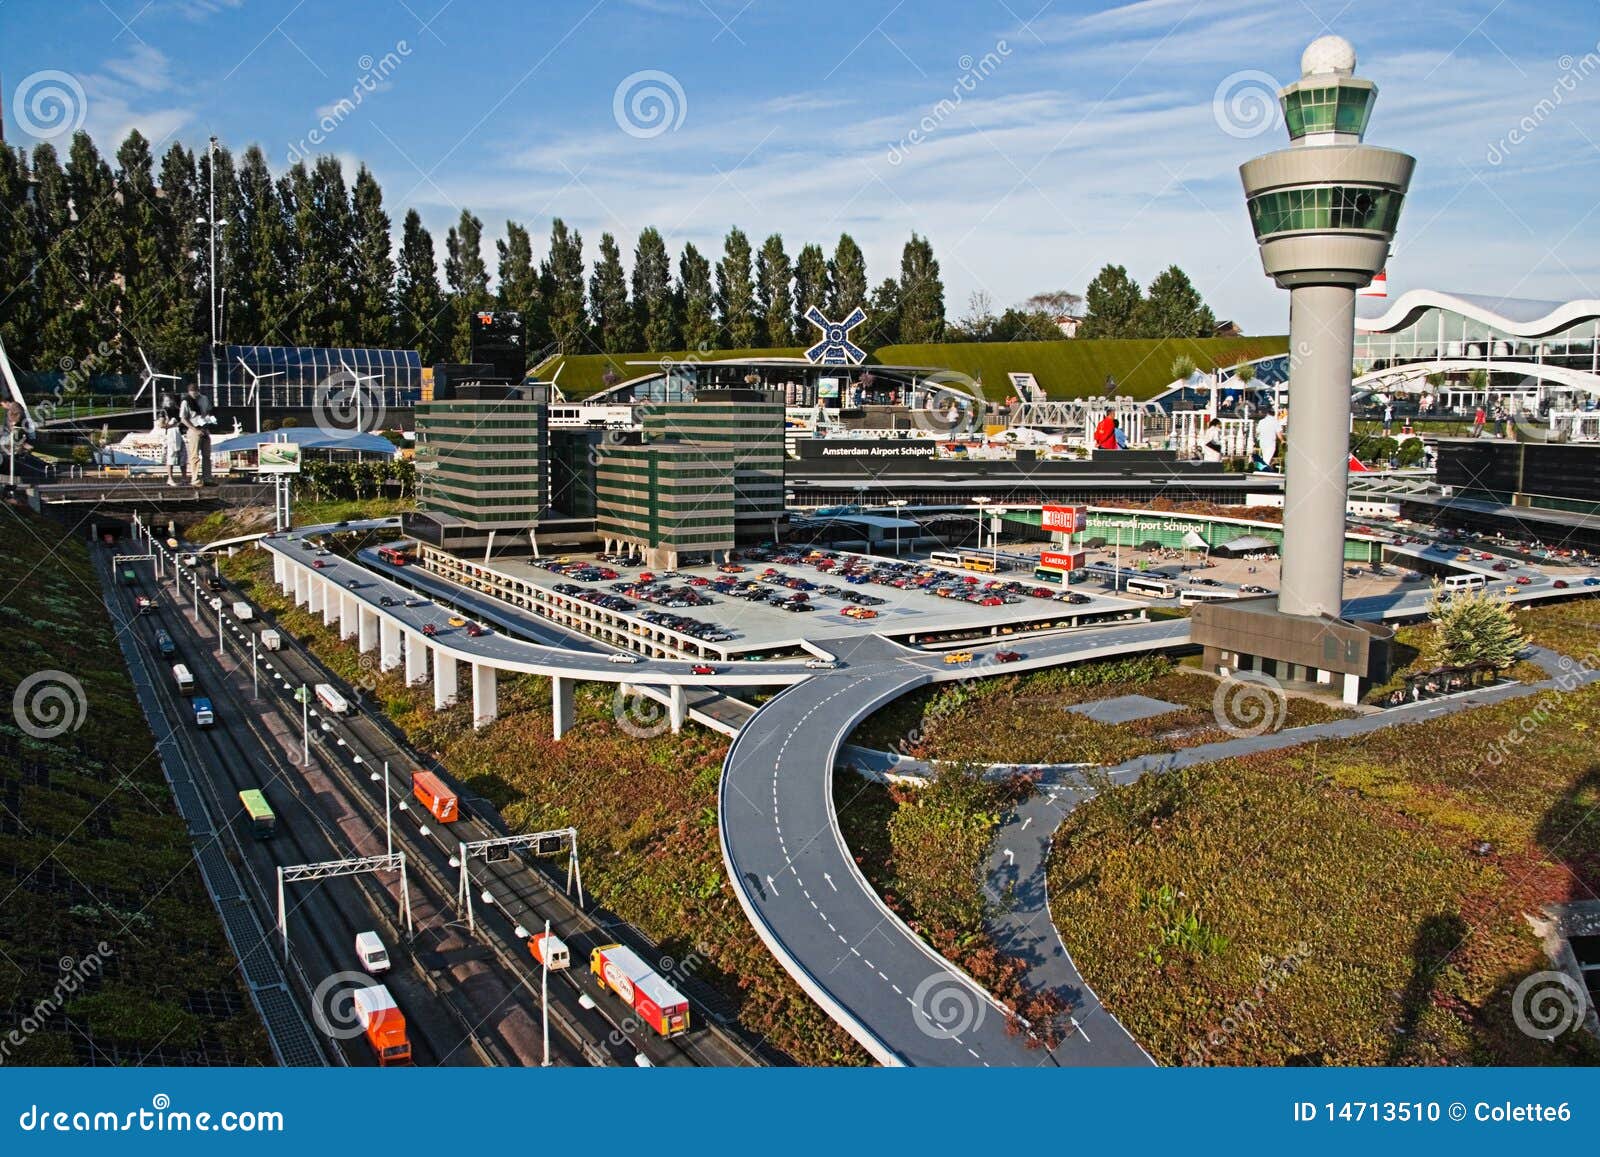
(1064, 519)
(278, 458)
(1061, 560)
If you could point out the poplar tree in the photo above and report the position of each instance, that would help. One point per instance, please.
(736, 302)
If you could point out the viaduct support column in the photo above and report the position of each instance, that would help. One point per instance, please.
(349, 613)
(366, 628)
(485, 702)
(445, 679)
(677, 706)
(562, 708)
(416, 659)
(330, 603)
(388, 644)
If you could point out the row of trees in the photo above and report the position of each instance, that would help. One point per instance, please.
(1115, 306)
(101, 257)
(105, 256)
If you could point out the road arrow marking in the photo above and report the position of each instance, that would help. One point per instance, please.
(771, 884)
(1025, 824)
(1011, 857)
(831, 884)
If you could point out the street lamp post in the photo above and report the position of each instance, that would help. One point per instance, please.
(211, 231)
(896, 504)
(981, 502)
(544, 990)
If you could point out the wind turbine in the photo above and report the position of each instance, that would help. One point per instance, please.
(255, 387)
(359, 380)
(150, 377)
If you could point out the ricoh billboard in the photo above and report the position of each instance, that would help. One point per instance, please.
(1064, 519)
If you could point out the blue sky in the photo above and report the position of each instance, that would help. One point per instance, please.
(1072, 134)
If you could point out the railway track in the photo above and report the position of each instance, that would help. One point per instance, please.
(592, 1020)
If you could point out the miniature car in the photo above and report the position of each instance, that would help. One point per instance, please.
(621, 657)
(703, 669)
(958, 657)
(430, 629)
(1007, 656)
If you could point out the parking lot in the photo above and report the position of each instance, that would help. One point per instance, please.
(764, 602)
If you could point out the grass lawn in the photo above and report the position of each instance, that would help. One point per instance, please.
(253, 519)
(1024, 718)
(92, 849)
(647, 809)
(1353, 903)
(1066, 369)
(1571, 627)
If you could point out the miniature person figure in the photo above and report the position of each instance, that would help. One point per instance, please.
(169, 424)
(1268, 430)
(1211, 448)
(1105, 433)
(197, 422)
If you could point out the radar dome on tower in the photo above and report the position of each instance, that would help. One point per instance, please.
(1328, 54)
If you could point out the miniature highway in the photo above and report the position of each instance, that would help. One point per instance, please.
(800, 887)
(243, 750)
(589, 1025)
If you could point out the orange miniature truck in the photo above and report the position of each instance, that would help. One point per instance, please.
(385, 1025)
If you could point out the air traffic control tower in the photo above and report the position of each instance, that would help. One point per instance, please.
(1324, 212)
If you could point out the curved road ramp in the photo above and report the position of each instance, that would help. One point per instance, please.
(800, 887)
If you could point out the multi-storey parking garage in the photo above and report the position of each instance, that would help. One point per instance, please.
(765, 628)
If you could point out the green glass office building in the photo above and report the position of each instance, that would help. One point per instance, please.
(749, 424)
(482, 457)
(665, 496)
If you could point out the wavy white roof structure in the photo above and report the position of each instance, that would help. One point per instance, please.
(1516, 316)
